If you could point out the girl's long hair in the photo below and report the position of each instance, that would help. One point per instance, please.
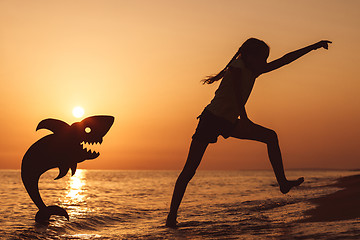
(250, 46)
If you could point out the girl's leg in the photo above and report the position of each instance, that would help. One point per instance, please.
(195, 155)
(252, 131)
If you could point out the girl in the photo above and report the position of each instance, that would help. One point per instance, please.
(221, 116)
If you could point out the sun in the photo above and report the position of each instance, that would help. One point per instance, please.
(78, 112)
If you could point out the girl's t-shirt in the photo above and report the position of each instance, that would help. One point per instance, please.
(225, 103)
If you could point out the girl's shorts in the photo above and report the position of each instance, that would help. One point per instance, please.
(211, 126)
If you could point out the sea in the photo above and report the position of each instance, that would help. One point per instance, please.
(107, 204)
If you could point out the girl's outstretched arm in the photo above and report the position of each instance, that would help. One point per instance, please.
(292, 56)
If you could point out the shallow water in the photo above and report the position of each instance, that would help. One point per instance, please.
(134, 204)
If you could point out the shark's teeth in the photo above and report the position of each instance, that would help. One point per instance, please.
(91, 147)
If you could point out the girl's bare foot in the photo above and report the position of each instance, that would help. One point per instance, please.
(285, 187)
(171, 221)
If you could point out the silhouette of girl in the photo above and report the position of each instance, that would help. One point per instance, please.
(221, 116)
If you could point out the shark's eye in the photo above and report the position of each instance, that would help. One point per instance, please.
(87, 130)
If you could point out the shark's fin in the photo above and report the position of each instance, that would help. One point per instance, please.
(62, 172)
(53, 125)
(73, 169)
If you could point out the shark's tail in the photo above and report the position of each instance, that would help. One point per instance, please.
(43, 215)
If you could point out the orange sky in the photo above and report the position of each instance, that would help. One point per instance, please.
(141, 61)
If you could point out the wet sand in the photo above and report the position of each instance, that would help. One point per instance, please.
(341, 205)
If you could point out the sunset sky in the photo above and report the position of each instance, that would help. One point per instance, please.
(142, 62)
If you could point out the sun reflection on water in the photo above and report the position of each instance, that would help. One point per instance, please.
(75, 195)
(76, 186)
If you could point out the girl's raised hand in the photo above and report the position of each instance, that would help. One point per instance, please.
(322, 44)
